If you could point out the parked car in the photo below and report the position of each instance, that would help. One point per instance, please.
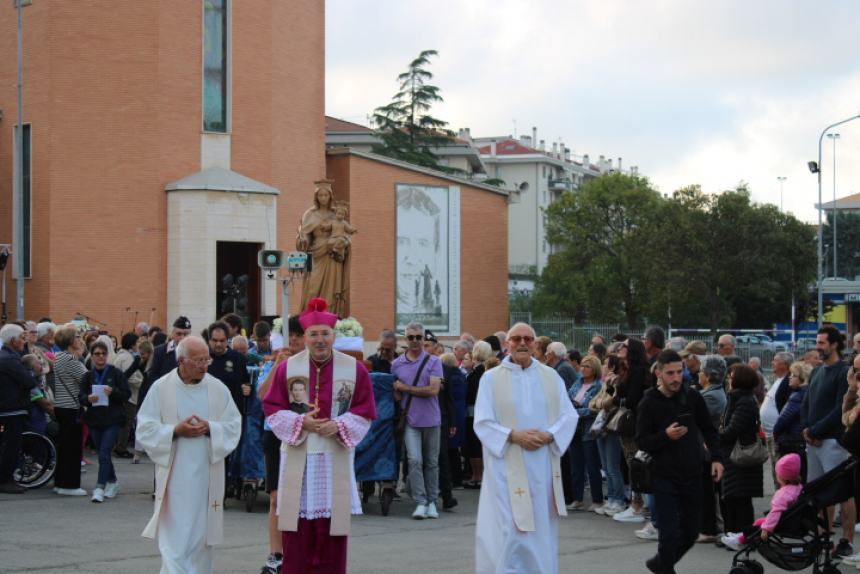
(760, 342)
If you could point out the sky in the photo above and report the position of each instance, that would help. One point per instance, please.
(691, 92)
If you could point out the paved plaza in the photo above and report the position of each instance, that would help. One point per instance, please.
(45, 533)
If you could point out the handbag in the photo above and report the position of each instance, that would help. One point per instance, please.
(622, 422)
(400, 423)
(642, 472)
(754, 454)
(599, 424)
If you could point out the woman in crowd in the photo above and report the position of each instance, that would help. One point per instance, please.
(480, 353)
(632, 384)
(541, 345)
(584, 458)
(788, 431)
(609, 443)
(68, 373)
(712, 376)
(740, 424)
(104, 420)
(128, 364)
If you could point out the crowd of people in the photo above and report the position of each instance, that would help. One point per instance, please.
(688, 408)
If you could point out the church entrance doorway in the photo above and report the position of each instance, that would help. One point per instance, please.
(239, 289)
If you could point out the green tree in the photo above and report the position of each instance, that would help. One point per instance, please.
(847, 243)
(607, 235)
(405, 126)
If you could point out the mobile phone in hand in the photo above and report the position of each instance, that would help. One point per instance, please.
(685, 419)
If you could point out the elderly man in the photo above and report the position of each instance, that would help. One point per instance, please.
(692, 355)
(141, 330)
(386, 352)
(525, 422)
(419, 380)
(556, 357)
(726, 348)
(317, 490)
(188, 424)
(15, 386)
(775, 398)
(164, 356)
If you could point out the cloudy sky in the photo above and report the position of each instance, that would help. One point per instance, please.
(712, 93)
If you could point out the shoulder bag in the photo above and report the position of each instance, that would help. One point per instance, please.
(754, 454)
(400, 424)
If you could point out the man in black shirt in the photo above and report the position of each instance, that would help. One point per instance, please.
(386, 352)
(670, 425)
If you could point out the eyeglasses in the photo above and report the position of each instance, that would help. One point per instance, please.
(98, 354)
(200, 362)
(414, 337)
(517, 339)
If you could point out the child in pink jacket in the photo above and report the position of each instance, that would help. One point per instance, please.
(788, 477)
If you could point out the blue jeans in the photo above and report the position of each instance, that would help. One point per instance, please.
(104, 438)
(609, 447)
(584, 460)
(422, 452)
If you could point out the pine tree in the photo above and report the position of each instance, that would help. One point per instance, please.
(405, 126)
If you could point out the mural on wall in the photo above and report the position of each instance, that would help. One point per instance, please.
(428, 257)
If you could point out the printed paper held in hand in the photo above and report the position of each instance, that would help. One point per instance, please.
(99, 391)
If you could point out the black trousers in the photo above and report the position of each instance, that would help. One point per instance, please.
(566, 477)
(679, 506)
(738, 514)
(10, 445)
(709, 502)
(445, 485)
(69, 449)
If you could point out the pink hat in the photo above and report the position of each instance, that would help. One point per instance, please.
(788, 467)
(317, 314)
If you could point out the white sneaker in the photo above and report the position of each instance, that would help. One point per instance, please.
(853, 559)
(98, 495)
(648, 533)
(629, 515)
(612, 508)
(111, 489)
(732, 540)
(431, 511)
(420, 512)
(599, 509)
(71, 491)
(576, 505)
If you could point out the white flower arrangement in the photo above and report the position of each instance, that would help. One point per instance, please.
(278, 324)
(349, 327)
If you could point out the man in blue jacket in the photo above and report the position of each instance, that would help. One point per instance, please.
(821, 420)
(15, 386)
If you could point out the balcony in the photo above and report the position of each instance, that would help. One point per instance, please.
(560, 185)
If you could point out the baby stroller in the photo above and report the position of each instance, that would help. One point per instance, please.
(802, 537)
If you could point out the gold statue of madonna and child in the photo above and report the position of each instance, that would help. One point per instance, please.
(326, 235)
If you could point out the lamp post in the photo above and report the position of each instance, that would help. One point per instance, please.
(816, 168)
(18, 171)
(834, 137)
(781, 179)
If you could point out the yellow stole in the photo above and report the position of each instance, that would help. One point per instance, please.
(518, 481)
(295, 459)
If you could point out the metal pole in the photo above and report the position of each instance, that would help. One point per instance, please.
(285, 313)
(18, 201)
(781, 179)
(820, 230)
(834, 137)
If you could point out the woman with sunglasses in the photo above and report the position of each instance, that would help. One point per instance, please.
(104, 420)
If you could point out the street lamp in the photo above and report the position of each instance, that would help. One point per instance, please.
(834, 137)
(781, 179)
(18, 193)
(816, 168)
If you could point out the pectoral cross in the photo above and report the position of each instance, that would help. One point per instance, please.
(519, 492)
(215, 505)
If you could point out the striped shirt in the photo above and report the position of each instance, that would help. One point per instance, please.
(68, 372)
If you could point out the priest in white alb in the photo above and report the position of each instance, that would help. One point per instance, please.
(188, 424)
(525, 422)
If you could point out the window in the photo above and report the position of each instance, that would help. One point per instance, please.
(27, 203)
(215, 75)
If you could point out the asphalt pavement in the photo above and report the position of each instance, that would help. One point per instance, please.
(49, 534)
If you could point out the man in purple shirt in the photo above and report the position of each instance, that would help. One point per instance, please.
(419, 398)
